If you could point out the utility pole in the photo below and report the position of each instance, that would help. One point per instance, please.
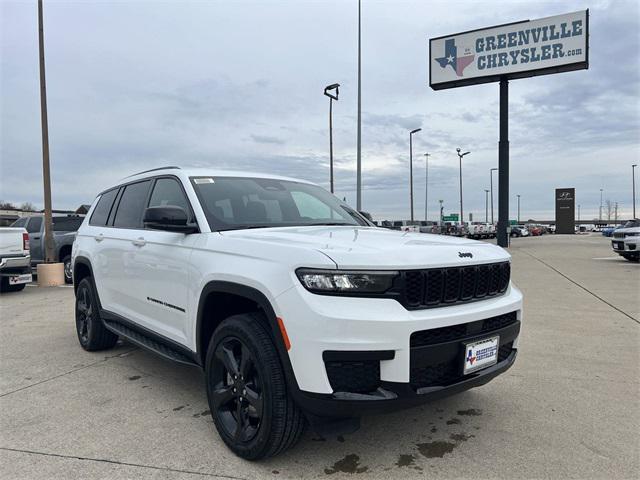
(578, 213)
(615, 212)
(486, 206)
(600, 214)
(633, 181)
(426, 187)
(441, 212)
(46, 174)
(359, 153)
(519, 208)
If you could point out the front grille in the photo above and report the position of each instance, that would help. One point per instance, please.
(447, 286)
(618, 235)
(354, 376)
(456, 332)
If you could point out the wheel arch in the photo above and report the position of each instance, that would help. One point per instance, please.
(247, 297)
(81, 269)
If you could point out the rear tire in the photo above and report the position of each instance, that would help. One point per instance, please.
(247, 390)
(6, 288)
(92, 334)
(68, 269)
(631, 257)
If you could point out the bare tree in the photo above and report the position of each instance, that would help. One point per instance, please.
(7, 205)
(28, 207)
(609, 209)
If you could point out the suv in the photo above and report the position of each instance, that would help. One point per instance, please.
(626, 241)
(297, 308)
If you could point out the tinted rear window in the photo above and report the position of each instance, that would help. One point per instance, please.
(101, 212)
(34, 224)
(66, 224)
(131, 206)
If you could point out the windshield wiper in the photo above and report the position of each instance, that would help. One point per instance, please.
(328, 224)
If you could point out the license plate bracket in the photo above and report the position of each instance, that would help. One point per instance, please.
(481, 354)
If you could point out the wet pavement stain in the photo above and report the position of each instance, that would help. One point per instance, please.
(201, 414)
(471, 411)
(275, 472)
(454, 421)
(349, 464)
(340, 438)
(434, 429)
(319, 439)
(405, 460)
(135, 377)
(177, 409)
(460, 437)
(435, 449)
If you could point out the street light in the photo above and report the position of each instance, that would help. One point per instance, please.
(600, 214)
(486, 206)
(578, 212)
(518, 208)
(426, 187)
(491, 175)
(460, 155)
(411, 168)
(327, 91)
(633, 181)
(441, 214)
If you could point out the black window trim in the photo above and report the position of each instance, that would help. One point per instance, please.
(121, 187)
(99, 197)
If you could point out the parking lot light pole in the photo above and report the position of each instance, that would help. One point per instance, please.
(460, 155)
(411, 168)
(426, 187)
(491, 183)
(327, 91)
(486, 206)
(518, 208)
(578, 212)
(633, 182)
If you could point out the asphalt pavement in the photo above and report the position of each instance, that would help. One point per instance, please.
(569, 408)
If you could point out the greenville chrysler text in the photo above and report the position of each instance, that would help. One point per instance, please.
(297, 308)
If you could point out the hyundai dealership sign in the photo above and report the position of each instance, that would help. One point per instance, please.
(515, 50)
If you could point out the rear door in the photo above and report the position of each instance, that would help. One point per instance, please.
(123, 277)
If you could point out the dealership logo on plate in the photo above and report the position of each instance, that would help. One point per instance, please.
(471, 357)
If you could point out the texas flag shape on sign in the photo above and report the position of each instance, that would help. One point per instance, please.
(457, 62)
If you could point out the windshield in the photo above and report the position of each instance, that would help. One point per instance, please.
(232, 203)
(631, 224)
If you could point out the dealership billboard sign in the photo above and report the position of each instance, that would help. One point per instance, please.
(514, 50)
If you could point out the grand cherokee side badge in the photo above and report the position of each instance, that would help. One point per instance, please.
(465, 254)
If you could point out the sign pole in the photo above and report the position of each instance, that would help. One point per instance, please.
(503, 165)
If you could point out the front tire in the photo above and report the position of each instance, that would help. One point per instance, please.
(247, 391)
(92, 333)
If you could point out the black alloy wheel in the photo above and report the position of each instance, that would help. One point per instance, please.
(92, 334)
(237, 390)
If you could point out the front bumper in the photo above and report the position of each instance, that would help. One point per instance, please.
(626, 245)
(317, 325)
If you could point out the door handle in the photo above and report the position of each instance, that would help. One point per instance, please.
(139, 242)
(98, 238)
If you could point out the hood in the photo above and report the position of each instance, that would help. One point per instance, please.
(379, 248)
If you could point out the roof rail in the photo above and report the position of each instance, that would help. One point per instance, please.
(170, 167)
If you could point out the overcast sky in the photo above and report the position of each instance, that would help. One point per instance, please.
(135, 85)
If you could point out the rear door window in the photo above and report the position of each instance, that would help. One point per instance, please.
(34, 224)
(131, 205)
(101, 212)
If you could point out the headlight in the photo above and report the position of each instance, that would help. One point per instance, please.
(337, 281)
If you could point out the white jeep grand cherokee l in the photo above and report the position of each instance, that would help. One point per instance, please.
(295, 306)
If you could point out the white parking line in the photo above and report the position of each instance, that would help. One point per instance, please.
(606, 258)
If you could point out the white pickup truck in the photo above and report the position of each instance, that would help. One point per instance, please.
(15, 261)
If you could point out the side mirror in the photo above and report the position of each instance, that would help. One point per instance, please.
(168, 217)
